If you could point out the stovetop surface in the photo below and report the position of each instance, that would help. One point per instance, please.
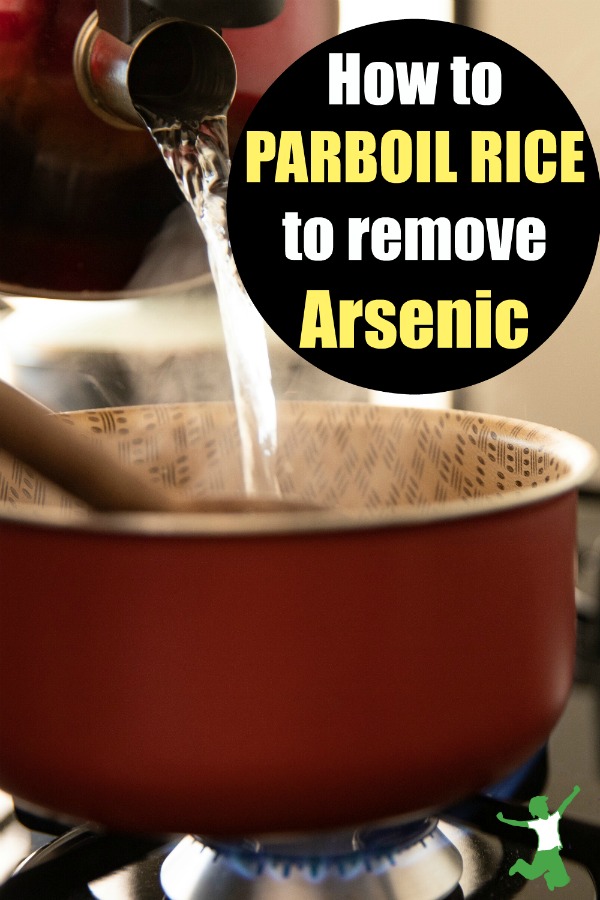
(488, 849)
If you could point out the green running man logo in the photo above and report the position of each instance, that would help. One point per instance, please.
(547, 861)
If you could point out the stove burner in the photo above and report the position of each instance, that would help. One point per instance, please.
(414, 859)
(84, 865)
(466, 853)
(344, 855)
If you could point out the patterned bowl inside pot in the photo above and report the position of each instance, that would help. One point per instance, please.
(361, 464)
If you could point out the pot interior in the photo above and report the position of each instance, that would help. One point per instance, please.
(346, 457)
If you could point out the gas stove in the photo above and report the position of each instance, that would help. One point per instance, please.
(461, 852)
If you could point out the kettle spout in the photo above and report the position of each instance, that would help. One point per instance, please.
(166, 56)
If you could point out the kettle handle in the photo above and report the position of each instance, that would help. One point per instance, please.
(125, 19)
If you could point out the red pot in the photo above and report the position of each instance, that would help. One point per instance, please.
(244, 673)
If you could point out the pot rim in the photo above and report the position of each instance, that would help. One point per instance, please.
(581, 457)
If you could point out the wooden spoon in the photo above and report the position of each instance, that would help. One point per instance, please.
(37, 437)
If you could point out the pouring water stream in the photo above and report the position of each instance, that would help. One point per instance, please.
(197, 153)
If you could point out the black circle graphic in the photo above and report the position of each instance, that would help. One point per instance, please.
(413, 206)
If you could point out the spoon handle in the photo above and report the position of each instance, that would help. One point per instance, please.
(55, 449)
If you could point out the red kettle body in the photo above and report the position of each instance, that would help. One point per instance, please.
(80, 199)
